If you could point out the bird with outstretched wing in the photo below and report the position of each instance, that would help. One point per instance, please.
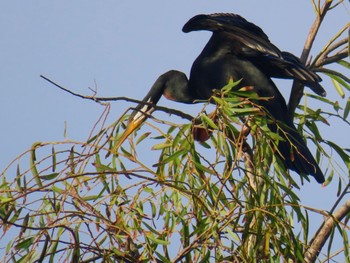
(238, 50)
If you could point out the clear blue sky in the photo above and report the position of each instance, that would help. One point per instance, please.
(121, 47)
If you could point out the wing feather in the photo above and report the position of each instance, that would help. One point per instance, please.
(249, 41)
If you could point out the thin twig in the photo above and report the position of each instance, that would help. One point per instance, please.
(93, 98)
(320, 58)
(329, 60)
(101, 99)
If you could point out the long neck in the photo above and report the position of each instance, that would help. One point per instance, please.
(217, 46)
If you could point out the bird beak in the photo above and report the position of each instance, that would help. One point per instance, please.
(145, 109)
(136, 119)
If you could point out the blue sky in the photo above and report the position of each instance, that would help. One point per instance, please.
(121, 47)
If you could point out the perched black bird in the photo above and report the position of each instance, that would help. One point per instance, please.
(239, 50)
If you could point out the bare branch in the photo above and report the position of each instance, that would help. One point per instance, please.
(298, 88)
(93, 98)
(319, 60)
(328, 60)
(324, 231)
(101, 99)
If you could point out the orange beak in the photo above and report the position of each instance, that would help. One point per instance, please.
(178, 84)
(138, 117)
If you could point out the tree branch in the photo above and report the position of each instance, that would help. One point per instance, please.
(93, 98)
(102, 99)
(321, 59)
(298, 88)
(328, 60)
(324, 231)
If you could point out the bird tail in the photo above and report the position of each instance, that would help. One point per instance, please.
(296, 155)
(299, 71)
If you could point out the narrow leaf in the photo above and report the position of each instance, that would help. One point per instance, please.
(347, 109)
(158, 241)
(341, 152)
(338, 88)
(57, 190)
(142, 137)
(25, 244)
(162, 258)
(33, 164)
(209, 121)
(71, 160)
(54, 162)
(161, 146)
(344, 63)
(49, 176)
(18, 178)
(173, 156)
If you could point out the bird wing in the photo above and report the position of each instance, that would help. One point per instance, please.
(289, 66)
(247, 40)
(250, 38)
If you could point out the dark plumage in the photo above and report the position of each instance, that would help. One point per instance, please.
(238, 50)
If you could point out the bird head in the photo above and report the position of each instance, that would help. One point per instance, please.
(173, 85)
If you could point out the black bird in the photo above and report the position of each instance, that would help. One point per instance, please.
(238, 50)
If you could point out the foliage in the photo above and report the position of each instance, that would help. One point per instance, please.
(226, 200)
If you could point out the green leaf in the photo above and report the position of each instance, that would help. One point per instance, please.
(53, 247)
(205, 145)
(206, 258)
(180, 135)
(103, 168)
(49, 176)
(117, 252)
(154, 209)
(341, 153)
(329, 178)
(347, 109)
(90, 197)
(71, 160)
(344, 63)
(314, 129)
(16, 216)
(340, 184)
(57, 190)
(338, 87)
(229, 86)
(173, 156)
(349, 42)
(162, 258)
(54, 162)
(24, 224)
(33, 165)
(44, 248)
(202, 168)
(323, 99)
(161, 146)
(142, 137)
(25, 244)
(158, 241)
(346, 243)
(151, 229)
(96, 136)
(4, 199)
(208, 121)
(18, 178)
